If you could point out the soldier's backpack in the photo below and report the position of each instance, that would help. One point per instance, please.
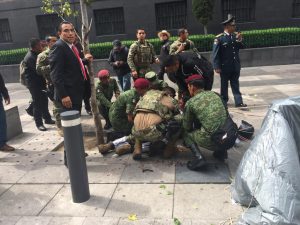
(22, 68)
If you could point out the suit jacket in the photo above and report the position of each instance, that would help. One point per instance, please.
(66, 73)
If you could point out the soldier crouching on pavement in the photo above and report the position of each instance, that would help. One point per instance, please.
(104, 93)
(121, 117)
(155, 83)
(155, 122)
(203, 114)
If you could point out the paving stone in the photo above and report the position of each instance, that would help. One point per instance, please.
(11, 174)
(171, 221)
(213, 173)
(46, 174)
(66, 221)
(62, 204)
(20, 139)
(52, 158)
(109, 173)
(204, 202)
(96, 158)
(9, 220)
(126, 221)
(3, 188)
(33, 220)
(26, 200)
(22, 157)
(101, 220)
(154, 172)
(144, 200)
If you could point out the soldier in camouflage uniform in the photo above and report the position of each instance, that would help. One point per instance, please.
(182, 43)
(152, 123)
(104, 93)
(203, 114)
(141, 55)
(155, 83)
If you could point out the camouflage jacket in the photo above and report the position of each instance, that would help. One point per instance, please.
(158, 85)
(104, 92)
(205, 110)
(43, 65)
(140, 55)
(124, 104)
(151, 102)
(189, 46)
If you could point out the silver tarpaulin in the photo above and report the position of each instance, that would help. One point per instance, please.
(268, 178)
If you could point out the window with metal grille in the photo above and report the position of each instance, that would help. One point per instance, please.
(170, 15)
(296, 9)
(109, 21)
(5, 35)
(243, 10)
(47, 24)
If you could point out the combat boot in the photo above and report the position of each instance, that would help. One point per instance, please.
(169, 150)
(123, 149)
(104, 148)
(137, 153)
(220, 155)
(199, 161)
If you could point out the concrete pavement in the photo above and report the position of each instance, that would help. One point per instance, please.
(35, 189)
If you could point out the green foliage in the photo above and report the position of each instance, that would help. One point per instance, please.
(203, 10)
(252, 39)
(60, 7)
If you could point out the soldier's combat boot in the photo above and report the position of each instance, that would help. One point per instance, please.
(123, 149)
(104, 148)
(169, 150)
(220, 155)
(199, 161)
(137, 153)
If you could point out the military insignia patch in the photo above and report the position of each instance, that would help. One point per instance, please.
(216, 41)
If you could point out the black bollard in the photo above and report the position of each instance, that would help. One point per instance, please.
(73, 143)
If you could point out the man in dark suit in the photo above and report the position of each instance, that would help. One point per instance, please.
(67, 71)
(226, 60)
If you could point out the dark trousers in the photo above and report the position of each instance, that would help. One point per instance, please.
(87, 95)
(233, 78)
(40, 105)
(3, 124)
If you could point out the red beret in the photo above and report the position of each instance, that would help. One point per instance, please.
(193, 77)
(141, 83)
(103, 73)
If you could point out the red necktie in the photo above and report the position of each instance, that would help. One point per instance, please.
(80, 61)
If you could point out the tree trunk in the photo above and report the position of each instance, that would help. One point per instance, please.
(205, 29)
(85, 44)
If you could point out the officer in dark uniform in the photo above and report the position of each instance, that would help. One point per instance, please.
(164, 37)
(185, 64)
(226, 60)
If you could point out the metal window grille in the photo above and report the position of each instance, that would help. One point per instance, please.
(5, 35)
(170, 15)
(296, 9)
(243, 10)
(47, 24)
(109, 21)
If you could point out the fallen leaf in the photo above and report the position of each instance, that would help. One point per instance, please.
(162, 186)
(176, 221)
(132, 217)
(169, 193)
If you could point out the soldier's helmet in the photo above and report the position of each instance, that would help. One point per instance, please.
(246, 131)
(151, 76)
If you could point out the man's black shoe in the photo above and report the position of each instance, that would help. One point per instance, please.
(41, 128)
(241, 105)
(29, 110)
(107, 126)
(196, 164)
(50, 121)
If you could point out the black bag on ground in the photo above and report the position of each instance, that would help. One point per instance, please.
(226, 135)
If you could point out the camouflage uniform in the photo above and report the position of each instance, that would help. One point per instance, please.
(151, 103)
(119, 110)
(104, 94)
(43, 65)
(155, 83)
(140, 56)
(207, 113)
(189, 46)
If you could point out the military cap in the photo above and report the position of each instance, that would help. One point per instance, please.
(193, 78)
(141, 83)
(103, 73)
(230, 20)
(151, 76)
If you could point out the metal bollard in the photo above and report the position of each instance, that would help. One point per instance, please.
(73, 143)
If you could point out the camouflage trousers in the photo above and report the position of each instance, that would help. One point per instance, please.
(151, 134)
(59, 108)
(201, 138)
(120, 124)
